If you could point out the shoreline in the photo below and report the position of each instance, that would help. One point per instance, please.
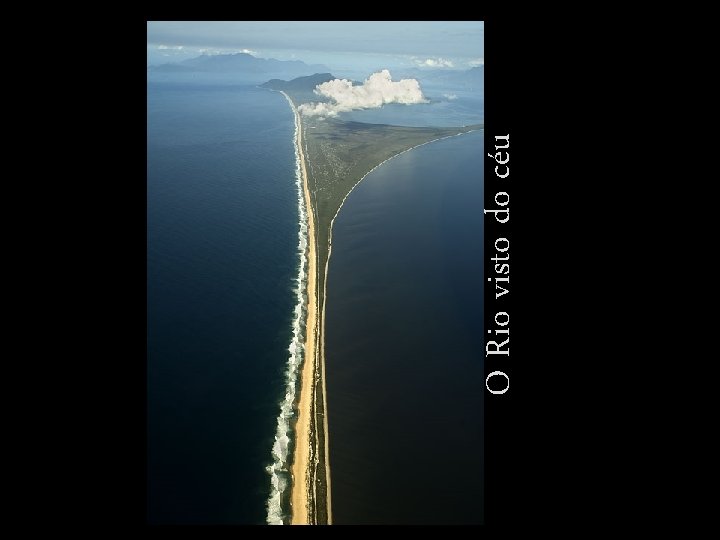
(324, 302)
(300, 491)
(311, 446)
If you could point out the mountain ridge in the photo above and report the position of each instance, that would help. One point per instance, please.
(239, 63)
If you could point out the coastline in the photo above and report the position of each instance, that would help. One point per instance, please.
(365, 448)
(300, 494)
(310, 487)
(321, 348)
(327, 262)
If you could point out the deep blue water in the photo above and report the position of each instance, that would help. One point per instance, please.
(222, 255)
(404, 341)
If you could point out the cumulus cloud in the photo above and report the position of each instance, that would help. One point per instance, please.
(377, 90)
(450, 97)
(435, 63)
(476, 62)
(248, 51)
(170, 47)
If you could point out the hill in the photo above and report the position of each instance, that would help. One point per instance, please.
(239, 63)
(301, 88)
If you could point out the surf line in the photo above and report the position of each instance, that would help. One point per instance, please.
(280, 476)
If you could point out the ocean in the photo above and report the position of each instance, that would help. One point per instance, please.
(403, 341)
(223, 260)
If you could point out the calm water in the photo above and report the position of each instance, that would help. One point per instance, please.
(465, 108)
(222, 256)
(404, 349)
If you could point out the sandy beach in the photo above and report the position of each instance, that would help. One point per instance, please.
(310, 495)
(300, 493)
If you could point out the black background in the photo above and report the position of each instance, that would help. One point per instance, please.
(526, 454)
(530, 84)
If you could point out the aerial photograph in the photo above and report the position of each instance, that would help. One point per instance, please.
(315, 273)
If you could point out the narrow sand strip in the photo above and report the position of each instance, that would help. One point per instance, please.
(303, 487)
(301, 466)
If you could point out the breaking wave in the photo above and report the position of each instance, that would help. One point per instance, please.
(280, 479)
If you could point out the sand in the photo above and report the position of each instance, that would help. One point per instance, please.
(301, 467)
(303, 490)
(328, 483)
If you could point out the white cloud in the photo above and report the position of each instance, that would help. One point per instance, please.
(377, 90)
(170, 47)
(450, 97)
(434, 63)
(227, 51)
(477, 62)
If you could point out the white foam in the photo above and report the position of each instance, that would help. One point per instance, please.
(278, 470)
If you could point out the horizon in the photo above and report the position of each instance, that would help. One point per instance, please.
(340, 46)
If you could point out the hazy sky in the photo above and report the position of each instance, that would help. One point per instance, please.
(338, 45)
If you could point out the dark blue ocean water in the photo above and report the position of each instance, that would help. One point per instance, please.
(222, 255)
(404, 341)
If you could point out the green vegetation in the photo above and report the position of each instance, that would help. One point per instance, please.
(300, 89)
(340, 153)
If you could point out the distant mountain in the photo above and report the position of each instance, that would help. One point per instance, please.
(301, 88)
(299, 83)
(172, 68)
(240, 63)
